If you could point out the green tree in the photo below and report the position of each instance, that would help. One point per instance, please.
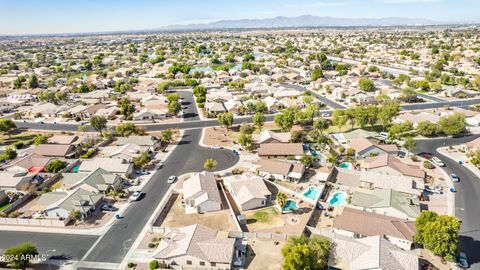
(361, 116)
(127, 109)
(174, 97)
(174, 107)
(76, 215)
(248, 57)
(82, 129)
(398, 130)
(99, 123)
(410, 144)
(306, 253)
(126, 129)
(453, 124)
(245, 140)
(317, 74)
(55, 166)
(8, 154)
(18, 82)
(40, 139)
(19, 256)
(438, 234)
(427, 128)
(32, 81)
(209, 164)
(142, 160)
(307, 160)
(285, 120)
(6, 125)
(163, 86)
(332, 159)
(225, 119)
(166, 136)
(200, 91)
(387, 112)
(281, 199)
(339, 118)
(258, 120)
(320, 125)
(366, 84)
(408, 94)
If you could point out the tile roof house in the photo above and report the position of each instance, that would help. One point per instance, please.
(267, 136)
(416, 118)
(389, 164)
(201, 194)
(352, 179)
(63, 203)
(149, 141)
(63, 139)
(387, 202)
(30, 163)
(114, 165)
(150, 114)
(15, 181)
(98, 181)
(280, 170)
(274, 150)
(127, 151)
(364, 147)
(249, 191)
(357, 223)
(373, 252)
(196, 246)
(56, 150)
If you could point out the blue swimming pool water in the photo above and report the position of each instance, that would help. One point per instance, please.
(311, 193)
(345, 165)
(290, 205)
(75, 169)
(338, 198)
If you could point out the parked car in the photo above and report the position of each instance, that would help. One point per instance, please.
(216, 147)
(172, 179)
(384, 135)
(437, 162)
(462, 260)
(454, 178)
(435, 190)
(135, 196)
(109, 207)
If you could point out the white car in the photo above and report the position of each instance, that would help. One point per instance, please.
(454, 178)
(384, 135)
(172, 179)
(216, 147)
(135, 196)
(437, 162)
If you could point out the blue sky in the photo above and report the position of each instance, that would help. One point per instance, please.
(67, 16)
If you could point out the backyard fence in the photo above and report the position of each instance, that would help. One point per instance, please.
(33, 222)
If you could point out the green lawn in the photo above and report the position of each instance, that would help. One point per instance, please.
(4, 205)
(264, 216)
(22, 137)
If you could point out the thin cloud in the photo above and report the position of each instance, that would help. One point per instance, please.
(319, 4)
(410, 1)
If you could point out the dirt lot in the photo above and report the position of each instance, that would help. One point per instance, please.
(264, 254)
(174, 216)
(220, 136)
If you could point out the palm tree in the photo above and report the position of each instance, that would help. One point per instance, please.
(210, 164)
(281, 199)
(332, 159)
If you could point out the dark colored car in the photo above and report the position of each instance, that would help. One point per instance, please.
(462, 260)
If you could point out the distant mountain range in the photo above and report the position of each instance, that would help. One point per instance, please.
(300, 21)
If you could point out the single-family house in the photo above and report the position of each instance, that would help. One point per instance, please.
(389, 164)
(280, 170)
(56, 150)
(387, 202)
(113, 165)
(196, 247)
(63, 203)
(98, 181)
(358, 224)
(248, 190)
(364, 147)
(372, 252)
(126, 152)
(280, 150)
(201, 194)
(150, 114)
(267, 136)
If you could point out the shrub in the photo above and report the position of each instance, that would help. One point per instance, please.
(414, 158)
(89, 153)
(237, 171)
(55, 166)
(428, 165)
(131, 265)
(19, 145)
(152, 245)
(201, 105)
(154, 265)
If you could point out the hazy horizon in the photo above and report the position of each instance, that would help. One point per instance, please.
(84, 16)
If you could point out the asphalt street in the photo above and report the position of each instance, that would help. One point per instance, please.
(467, 197)
(112, 247)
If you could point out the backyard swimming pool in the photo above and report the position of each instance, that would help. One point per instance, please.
(289, 206)
(338, 198)
(311, 193)
(345, 165)
(75, 169)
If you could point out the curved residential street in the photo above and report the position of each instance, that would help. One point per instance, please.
(111, 247)
(467, 197)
